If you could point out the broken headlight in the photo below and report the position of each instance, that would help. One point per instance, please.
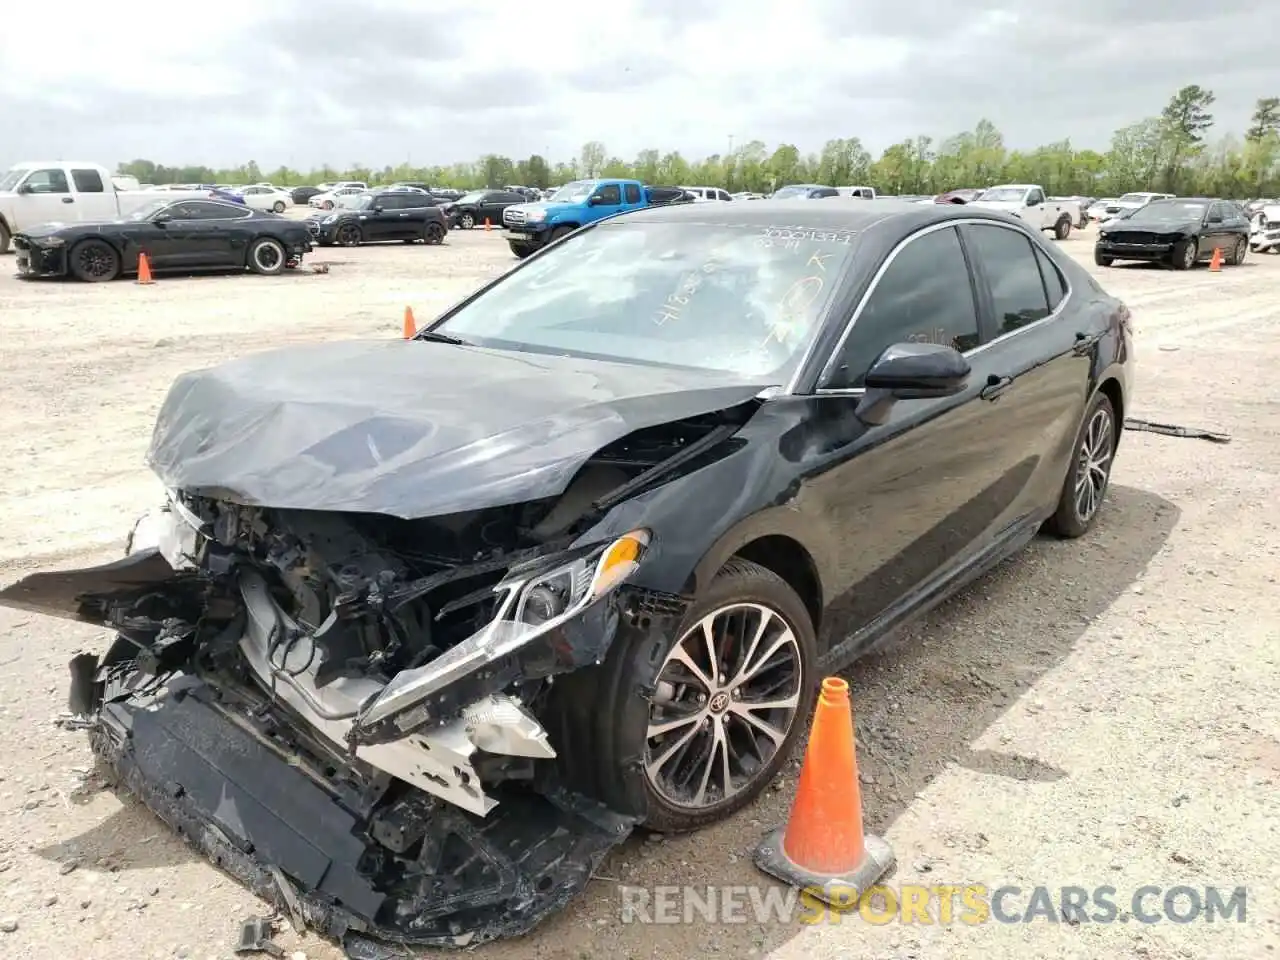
(535, 602)
(548, 597)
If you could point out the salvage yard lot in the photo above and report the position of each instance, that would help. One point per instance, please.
(1098, 712)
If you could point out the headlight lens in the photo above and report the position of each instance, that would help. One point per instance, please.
(330, 219)
(51, 242)
(564, 591)
(534, 215)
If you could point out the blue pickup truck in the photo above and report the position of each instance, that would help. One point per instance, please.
(531, 226)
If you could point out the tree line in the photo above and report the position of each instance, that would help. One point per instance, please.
(1170, 153)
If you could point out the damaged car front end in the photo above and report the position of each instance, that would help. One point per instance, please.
(295, 662)
(422, 629)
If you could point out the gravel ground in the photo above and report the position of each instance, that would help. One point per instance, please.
(1101, 712)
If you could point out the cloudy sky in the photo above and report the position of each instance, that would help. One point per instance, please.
(436, 81)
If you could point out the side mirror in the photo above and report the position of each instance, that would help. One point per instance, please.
(911, 371)
(160, 219)
(1033, 202)
(26, 188)
(378, 208)
(598, 200)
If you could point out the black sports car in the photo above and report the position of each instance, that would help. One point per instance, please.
(387, 215)
(1177, 232)
(184, 235)
(426, 626)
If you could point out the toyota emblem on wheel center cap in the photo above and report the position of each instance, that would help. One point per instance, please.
(719, 702)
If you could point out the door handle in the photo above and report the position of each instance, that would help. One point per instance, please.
(68, 199)
(1086, 342)
(995, 387)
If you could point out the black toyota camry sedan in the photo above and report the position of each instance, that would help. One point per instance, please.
(186, 235)
(576, 556)
(1177, 232)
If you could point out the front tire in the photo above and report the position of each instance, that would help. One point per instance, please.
(434, 234)
(350, 235)
(267, 257)
(1102, 260)
(522, 248)
(466, 221)
(1062, 229)
(1089, 473)
(1184, 253)
(719, 732)
(94, 261)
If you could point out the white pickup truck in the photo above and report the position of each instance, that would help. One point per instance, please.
(63, 191)
(1027, 201)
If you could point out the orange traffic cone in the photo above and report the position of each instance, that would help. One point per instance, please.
(823, 849)
(410, 326)
(144, 269)
(487, 225)
(1215, 264)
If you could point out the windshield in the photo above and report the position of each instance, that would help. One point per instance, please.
(12, 177)
(1170, 210)
(473, 197)
(575, 192)
(145, 211)
(728, 298)
(1004, 194)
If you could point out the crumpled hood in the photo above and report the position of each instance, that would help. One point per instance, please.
(410, 428)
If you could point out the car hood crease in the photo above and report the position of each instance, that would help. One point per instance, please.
(411, 428)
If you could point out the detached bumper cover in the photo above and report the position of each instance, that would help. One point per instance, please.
(459, 880)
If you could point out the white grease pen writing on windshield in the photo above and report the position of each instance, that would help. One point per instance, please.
(673, 307)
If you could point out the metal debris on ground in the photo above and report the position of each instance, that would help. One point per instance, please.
(255, 937)
(1169, 430)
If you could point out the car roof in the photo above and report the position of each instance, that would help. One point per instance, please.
(805, 213)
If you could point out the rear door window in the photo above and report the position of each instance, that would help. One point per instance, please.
(633, 193)
(87, 181)
(1017, 287)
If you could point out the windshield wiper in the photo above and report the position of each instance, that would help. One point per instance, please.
(433, 337)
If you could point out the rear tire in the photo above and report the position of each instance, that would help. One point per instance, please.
(278, 206)
(1089, 472)
(1062, 229)
(267, 257)
(93, 261)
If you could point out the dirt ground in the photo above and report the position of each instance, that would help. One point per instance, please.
(1100, 712)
